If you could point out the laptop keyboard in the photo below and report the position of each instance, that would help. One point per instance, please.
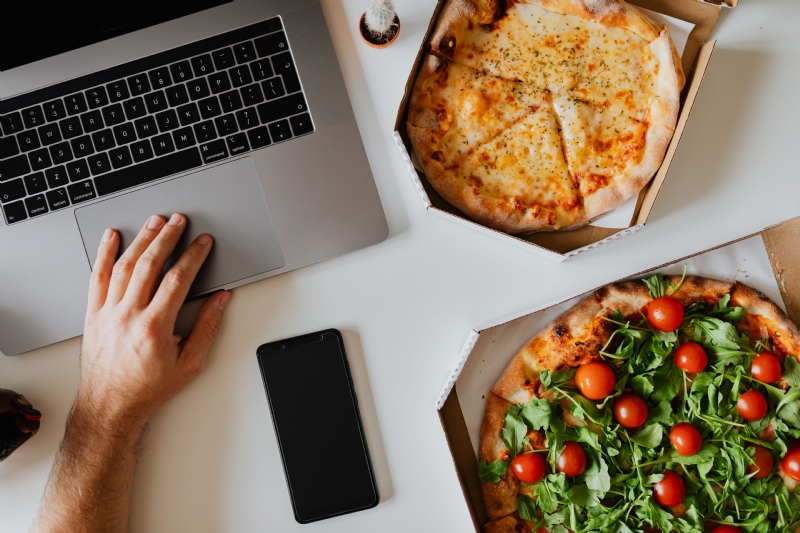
(148, 119)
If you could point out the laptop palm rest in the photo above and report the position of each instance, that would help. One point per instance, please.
(225, 201)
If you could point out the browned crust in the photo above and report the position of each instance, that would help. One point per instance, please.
(508, 524)
(499, 498)
(458, 17)
(780, 328)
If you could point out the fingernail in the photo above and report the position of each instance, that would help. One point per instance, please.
(203, 239)
(109, 233)
(223, 300)
(175, 220)
(155, 222)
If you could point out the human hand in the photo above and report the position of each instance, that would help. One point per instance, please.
(131, 360)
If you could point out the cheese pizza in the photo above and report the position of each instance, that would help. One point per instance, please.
(662, 404)
(541, 115)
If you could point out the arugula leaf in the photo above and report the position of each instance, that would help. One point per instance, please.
(790, 412)
(491, 471)
(596, 474)
(649, 436)
(656, 285)
(722, 310)
(589, 437)
(791, 371)
(669, 379)
(706, 453)
(716, 332)
(513, 433)
(537, 413)
(526, 507)
(643, 385)
(702, 382)
(584, 496)
(660, 413)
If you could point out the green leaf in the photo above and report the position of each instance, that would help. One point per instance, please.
(706, 453)
(656, 285)
(513, 433)
(722, 310)
(526, 507)
(791, 371)
(589, 437)
(669, 379)
(702, 381)
(717, 332)
(537, 413)
(649, 436)
(491, 471)
(660, 413)
(643, 385)
(790, 412)
(584, 496)
(596, 474)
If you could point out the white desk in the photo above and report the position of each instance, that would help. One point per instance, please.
(405, 305)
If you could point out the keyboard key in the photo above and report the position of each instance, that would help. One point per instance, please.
(12, 123)
(148, 171)
(16, 166)
(11, 190)
(284, 65)
(198, 88)
(36, 205)
(141, 151)
(40, 159)
(237, 143)
(205, 131)
(49, 134)
(134, 108)
(159, 78)
(76, 103)
(138, 84)
(226, 125)
(28, 140)
(230, 101)
(8, 147)
(117, 91)
(71, 127)
(103, 140)
(251, 95)
(60, 153)
(146, 127)
(259, 137)
(57, 199)
(163, 144)
(184, 138)
(82, 146)
(99, 164)
(223, 58)
(167, 120)
(247, 118)
(33, 117)
(244, 52)
(273, 88)
(282, 108)
(124, 133)
(271, 44)
(209, 107)
(181, 71)
(56, 176)
(188, 114)
(92, 121)
(279, 131)
(240, 76)
(15, 212)
(301, 124)
(35, 183)
(219, 82)
(261, 69)
(113, 115)
(96, 97)
(77, 170)
(54, 110)
(177, 95)
(156, 102)
(213, 151)
(120, 157)
(202, 65)
(81, 192)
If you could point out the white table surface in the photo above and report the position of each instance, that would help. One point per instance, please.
(406, 305)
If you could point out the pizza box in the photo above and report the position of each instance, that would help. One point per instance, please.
(698, 18)
(767, 261)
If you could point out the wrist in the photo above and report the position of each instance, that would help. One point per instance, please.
(107, 418)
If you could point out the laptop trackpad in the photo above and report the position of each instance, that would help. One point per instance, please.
(225, 201)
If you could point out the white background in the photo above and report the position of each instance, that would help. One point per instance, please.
(406, 305)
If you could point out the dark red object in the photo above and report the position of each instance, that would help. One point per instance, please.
(766, 368)
(763, 463)
(670, 490)
(19, 421)
(665, 313)
(529, 467)
(630, 410)
(572, 461)
(691, 358)
(725, 528)
(686, 439)
(791, 463)
(752, 405)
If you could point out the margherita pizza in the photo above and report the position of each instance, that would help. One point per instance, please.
(537, 115)
(667, 405)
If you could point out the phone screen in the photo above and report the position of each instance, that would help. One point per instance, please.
(318, 426)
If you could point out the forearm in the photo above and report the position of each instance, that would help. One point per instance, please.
(90, 485)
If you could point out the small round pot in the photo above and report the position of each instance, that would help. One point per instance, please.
(362, 30)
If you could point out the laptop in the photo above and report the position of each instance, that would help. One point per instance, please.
(233, 113)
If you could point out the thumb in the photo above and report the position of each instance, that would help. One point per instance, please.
(205, 329)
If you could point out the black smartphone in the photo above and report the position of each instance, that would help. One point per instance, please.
(318, 426)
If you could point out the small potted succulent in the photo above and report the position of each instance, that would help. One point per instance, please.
(379, 25)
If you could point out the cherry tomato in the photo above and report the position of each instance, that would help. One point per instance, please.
(752, 405)
(763, 463)
(665, 313)
(528, 467)
(791, 464)
(572, 460)
(725, 528)
(595, 380)
(766, 368)
(686, 439)
(670, 490)
(691, 358)
(630, 410)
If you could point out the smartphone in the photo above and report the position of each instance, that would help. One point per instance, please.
(318, 426)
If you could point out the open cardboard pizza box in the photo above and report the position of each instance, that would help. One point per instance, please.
(695, 18)
(768, 261)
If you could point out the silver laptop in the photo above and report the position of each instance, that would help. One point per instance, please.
(234, 113)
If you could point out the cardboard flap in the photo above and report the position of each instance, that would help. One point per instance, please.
(412, 172)
(784, 256)
(472, 338)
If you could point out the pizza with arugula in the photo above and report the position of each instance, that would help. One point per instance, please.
(663, 404)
